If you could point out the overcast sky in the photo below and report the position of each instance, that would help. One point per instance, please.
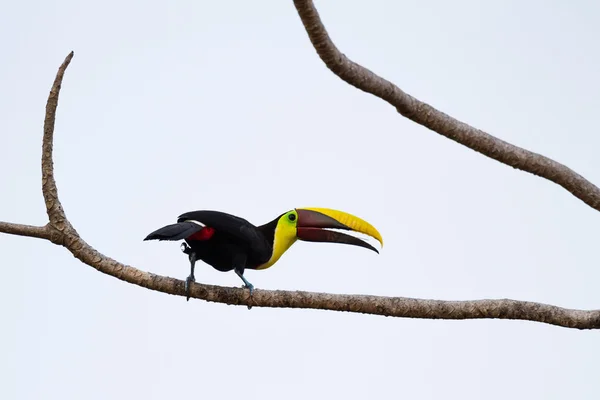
(175, 106)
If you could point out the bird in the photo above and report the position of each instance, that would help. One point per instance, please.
(227, 242)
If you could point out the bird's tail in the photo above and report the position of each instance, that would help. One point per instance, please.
(178, 231)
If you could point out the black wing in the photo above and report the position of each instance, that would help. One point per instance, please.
(177, 231)
(231, 225)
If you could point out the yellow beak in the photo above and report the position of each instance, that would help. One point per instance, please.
(313, 222)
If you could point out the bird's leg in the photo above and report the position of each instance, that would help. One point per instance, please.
(190, 279)
(239, 265)
(240, 273)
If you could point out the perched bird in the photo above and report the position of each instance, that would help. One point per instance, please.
(227, 242)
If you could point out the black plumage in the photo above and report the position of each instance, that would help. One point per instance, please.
(232, 244)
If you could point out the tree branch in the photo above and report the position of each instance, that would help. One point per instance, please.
(429, 117)
(54, 208)
(40, 232)
(60, 231)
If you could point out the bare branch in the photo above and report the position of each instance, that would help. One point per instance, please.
(429, 117)
(60, 231)
(40, 232)
(54, 208)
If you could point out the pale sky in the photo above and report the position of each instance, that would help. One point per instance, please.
(175, 106)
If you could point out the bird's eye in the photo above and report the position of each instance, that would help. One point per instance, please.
(292, 217)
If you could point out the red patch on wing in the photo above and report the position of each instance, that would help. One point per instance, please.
(206, 233)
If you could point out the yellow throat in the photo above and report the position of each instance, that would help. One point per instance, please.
(285, 237)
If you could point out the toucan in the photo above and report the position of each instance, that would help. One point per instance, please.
(227, 242)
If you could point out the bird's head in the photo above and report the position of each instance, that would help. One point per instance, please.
(317, 225)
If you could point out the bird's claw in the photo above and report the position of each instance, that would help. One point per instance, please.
(188, 282)
(250, 287)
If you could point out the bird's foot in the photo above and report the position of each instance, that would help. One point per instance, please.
(186, 249)
(188, 282)
(249, 286)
